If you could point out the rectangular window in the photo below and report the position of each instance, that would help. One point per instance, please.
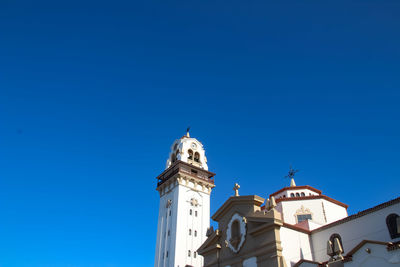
(169, 212)
(189, 253)
(190, 231)
(195, 233)
(195, 213)
(194, 254)
(167, 254)
(190, 212)
(303, 217)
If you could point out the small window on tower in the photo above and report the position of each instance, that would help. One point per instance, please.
(190, 152)
(167, 254)
(168, 232)
(169, 212)
(190, 212)
(195, 233)
(197, 157)
(194, 254)
(195, 213)
(189, 252)
(190, 231)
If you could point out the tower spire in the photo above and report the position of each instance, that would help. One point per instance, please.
(187, 131)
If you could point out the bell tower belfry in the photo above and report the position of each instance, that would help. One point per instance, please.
(184, 212)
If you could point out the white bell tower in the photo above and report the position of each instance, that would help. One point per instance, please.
(184, 213)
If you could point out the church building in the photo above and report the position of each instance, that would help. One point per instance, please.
(297, 226)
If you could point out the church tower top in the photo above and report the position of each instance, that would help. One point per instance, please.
(189, 150)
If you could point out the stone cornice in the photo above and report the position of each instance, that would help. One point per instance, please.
(252, 200)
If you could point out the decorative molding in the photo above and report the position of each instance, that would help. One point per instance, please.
(233, 243)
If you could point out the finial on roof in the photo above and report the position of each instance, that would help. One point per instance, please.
(236, 189)
(290, 175)
(271, 203)
(187, 131)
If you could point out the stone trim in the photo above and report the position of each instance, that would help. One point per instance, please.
(252, 200)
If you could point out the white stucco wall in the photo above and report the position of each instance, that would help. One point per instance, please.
(322, 211)
(179, 242)
(295, 244)
(166, 222)
(287, 193)
(182, 146)
(368, 227)
(379, 257)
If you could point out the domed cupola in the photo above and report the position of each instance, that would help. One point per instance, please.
(188, 150)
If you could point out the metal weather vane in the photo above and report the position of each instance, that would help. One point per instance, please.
(291, 173)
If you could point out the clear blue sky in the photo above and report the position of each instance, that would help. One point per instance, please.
(92, 95)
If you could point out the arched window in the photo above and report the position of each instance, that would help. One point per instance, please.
(291, 195)
(195, 233)
(297, 195)
(197, 157)
(190, 152)
(173, 158)
(393, 225)
(332, 239)
(302, 194)
(194, 254)
(235, 234)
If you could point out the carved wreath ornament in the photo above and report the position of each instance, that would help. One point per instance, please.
(236, 232)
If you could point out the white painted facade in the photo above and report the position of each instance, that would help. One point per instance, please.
(307, 240)
(321, 210)
(371, 226)
(181, 148)
(184, 212)
(296, 245)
